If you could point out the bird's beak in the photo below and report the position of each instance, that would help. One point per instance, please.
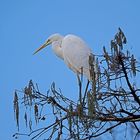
(43, 46)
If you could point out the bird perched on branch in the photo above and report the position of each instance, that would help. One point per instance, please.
(73, 50)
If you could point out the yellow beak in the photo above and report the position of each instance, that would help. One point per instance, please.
(43, 46)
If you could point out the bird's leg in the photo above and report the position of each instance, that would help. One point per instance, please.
(85, 93)
(80, 89)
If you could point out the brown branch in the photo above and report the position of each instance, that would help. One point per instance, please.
(123, 119)
(136, 127)
(108, 129)
(108, 118)
(52, 100)
(45, 128)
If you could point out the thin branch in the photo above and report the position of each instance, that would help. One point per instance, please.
(108, 129)
(127, 80)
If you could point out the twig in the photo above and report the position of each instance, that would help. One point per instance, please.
(127, 80)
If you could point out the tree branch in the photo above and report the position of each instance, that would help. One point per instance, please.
(127, 80)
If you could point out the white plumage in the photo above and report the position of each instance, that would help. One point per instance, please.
(73, 50)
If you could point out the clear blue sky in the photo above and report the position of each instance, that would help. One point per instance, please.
(26, 24)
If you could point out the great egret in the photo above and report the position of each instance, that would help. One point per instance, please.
(73, 50)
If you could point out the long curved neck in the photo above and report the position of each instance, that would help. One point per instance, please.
(57, 48)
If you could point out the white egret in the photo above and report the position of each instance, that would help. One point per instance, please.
(73, 50)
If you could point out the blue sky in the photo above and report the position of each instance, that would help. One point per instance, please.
(26, 24)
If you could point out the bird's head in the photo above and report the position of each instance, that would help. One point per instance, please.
(50, 40)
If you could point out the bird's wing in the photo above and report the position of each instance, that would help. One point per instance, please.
(76, 54)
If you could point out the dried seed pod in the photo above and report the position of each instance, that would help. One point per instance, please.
(16, 109)
(124, 41)
(133, 65)
(91, 104)
(107, 77)
(26, 119)
(118, 39)
(36, 112)
(70, 121)
(107, 57)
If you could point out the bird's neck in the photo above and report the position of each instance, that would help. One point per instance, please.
(57, 48)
